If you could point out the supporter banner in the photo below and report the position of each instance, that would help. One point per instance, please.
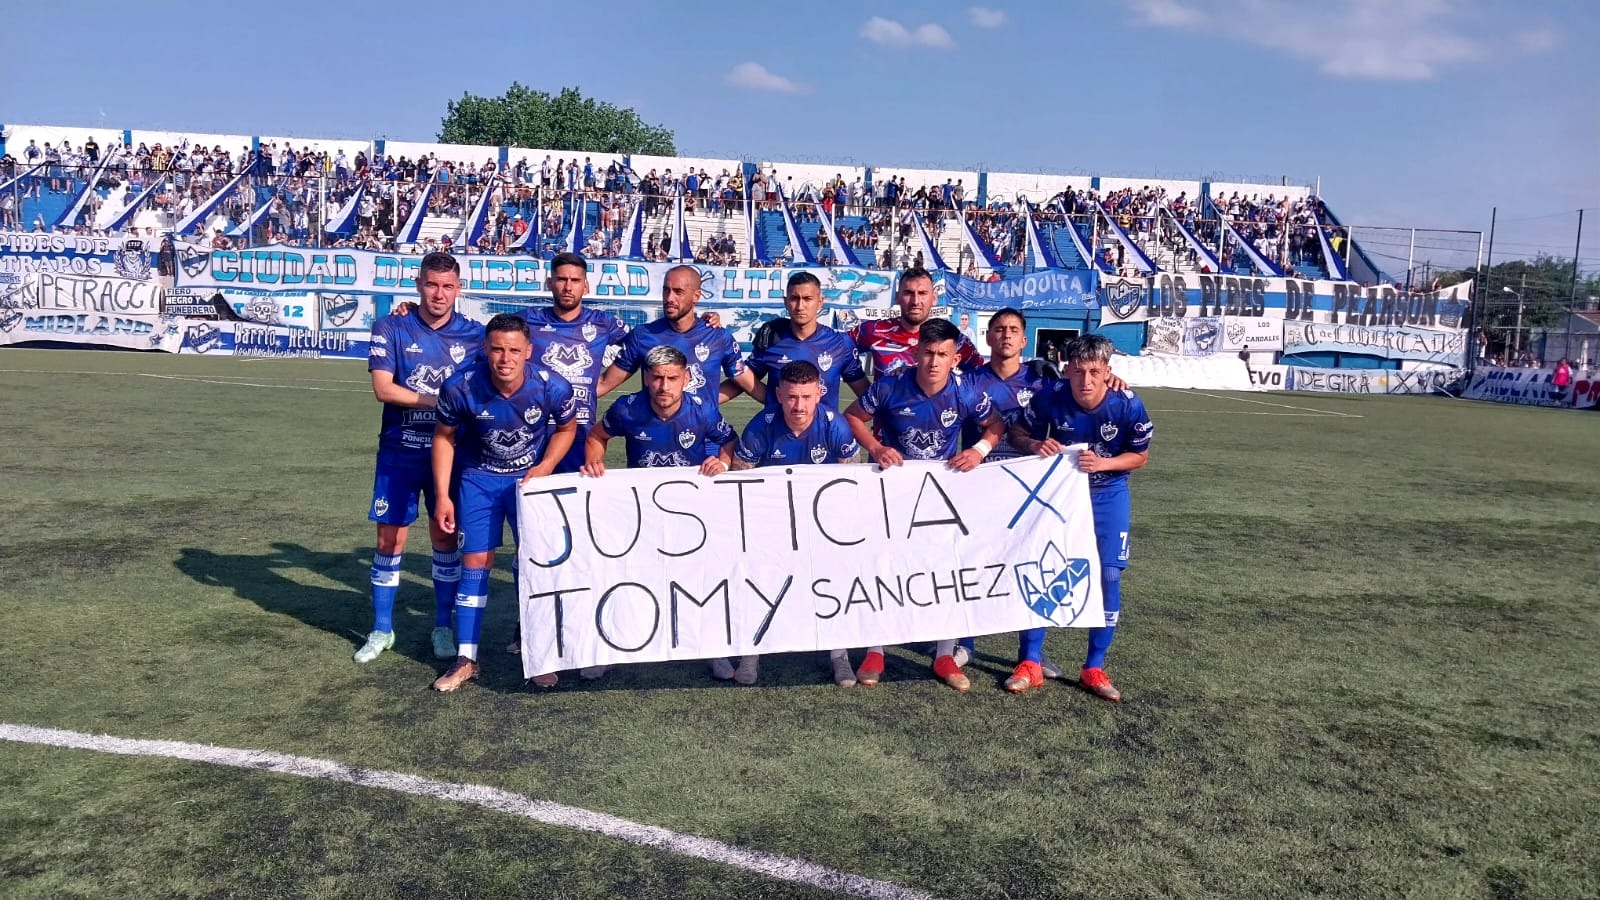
(1391, 342)
(646, 565)
(251, 339)
(1331, 302)
(1165, 335)
(1052, 289)
(19, 326)
(1246, 333)
(1369, 381)
(1202, 336)
(26, 252)
(359, 271)
(56, 292)
(1532, 387)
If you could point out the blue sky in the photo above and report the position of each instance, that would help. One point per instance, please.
(1412, 112)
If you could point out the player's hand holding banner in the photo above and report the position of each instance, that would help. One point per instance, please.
(647, 565)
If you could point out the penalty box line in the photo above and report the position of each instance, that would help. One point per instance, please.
(783, 868)
(1303, 409)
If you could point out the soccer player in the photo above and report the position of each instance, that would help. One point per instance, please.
(664, 425)
(410, 358)
(802, 337)
(892, 343)
(509, 421)
(1083, 409)
(801, 431)
(705, 347)
(918, 413)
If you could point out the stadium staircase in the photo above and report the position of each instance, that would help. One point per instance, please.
(771, 236)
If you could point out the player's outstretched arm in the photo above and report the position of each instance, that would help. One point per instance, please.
(861, 427)
(386, 390)
(444, 457)
(1089, 461)
(594, 451)
(614, 375)
(555, 451)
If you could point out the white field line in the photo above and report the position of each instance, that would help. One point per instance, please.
(1304, 409)
(169, 375)
(278, 387)
(783, 868)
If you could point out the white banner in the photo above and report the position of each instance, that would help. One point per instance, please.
(1168, 296)
(1391, 342)
(648, 565)
(60, 292)
(19, 326)
(1370, 381)
(1532, 387)
(1248, 333)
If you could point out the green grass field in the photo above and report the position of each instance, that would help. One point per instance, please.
(1359, 652)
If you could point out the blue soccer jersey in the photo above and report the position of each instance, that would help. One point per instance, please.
(920, 426)
(504, 435)
(689, 437)
(832, 352)
(768, 441)
(1011, 397)
(1118, 425)
(710, 351)
(576, 351)
(420, 358)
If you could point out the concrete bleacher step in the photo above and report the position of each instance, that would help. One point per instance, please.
(437, 227)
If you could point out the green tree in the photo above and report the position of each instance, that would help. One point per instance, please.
(1537, 293)
(524, 117)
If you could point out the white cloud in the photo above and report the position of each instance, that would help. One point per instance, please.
(984, 17)
(755, 77)
(890, 33)
(1383, 40)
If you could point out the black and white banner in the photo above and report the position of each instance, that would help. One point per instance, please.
(1532, 387)
(647, 565)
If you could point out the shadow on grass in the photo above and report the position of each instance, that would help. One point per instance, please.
(269, 580)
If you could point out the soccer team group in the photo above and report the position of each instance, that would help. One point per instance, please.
(471, 411)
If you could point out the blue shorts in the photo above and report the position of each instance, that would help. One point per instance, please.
(1113, 510)
(487, 503)
(395, 485)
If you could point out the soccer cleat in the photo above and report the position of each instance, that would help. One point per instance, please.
(749, 670)
(843, 675)
(1096, 682)
(962, 655)
(460, 672)
(1048, 667)
(721, 669)
(945, 667)
(590, 673)
(1025, 677)
(377, 642)
(444, 643)
(871, 669)
(547, 680)
(515, 647)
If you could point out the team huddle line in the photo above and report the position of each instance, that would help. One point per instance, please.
(471, 412)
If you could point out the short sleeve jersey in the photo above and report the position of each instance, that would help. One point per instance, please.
(420, 359)
(679, 440)
(833, 353)
(575, 350)
(768, 440)
(709, 350)
(1118, 425)
(504, 435)
(1011, 397)
(892, 344)
(920, 426)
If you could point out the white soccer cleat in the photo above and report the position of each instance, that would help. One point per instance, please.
(377, 642)
(721, 669)
(962, 655)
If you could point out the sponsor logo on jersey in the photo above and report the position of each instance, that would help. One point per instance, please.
(642, 436)
(905, 411)
(777, 453)
(414, 348)
(654, 460)
(921, 443)
(569, 360)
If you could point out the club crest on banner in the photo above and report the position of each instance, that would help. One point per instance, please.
(1055, 588)
(339, 310)
(1123, 299)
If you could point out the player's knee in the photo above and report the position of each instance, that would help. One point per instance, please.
(391, 538)
(478, 560)
(1111, 587)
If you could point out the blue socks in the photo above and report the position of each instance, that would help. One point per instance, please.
(385, 584)
(471, 599)
(1030, 645)
(1100, 638)
(446, 579)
